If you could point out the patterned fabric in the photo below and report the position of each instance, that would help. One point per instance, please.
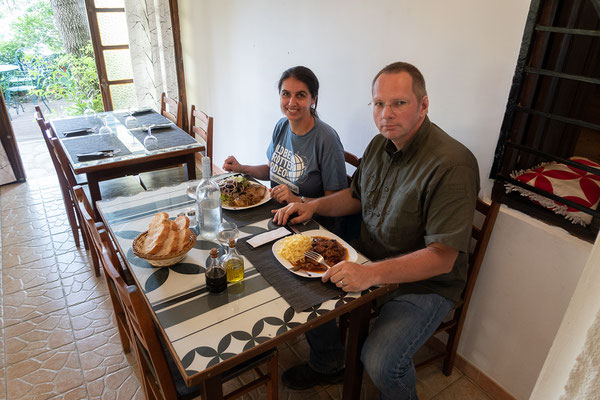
(152, 50)
(565, 181)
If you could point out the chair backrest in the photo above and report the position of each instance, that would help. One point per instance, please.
(157, 380)
(39, 113)
(352, 160)
(63, 161)
(166, 105)
(202, 125)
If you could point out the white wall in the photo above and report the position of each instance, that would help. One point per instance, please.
(235, 51)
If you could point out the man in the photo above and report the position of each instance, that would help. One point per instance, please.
(416, 188)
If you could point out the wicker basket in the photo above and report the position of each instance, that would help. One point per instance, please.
(162, 261)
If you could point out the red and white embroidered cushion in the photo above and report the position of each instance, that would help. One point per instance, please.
(562, 180)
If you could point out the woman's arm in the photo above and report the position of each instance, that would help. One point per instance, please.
(260, 172)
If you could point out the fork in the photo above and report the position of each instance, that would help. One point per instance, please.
(313, 255)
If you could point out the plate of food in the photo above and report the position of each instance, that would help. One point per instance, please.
(239, 193)
(289, 251)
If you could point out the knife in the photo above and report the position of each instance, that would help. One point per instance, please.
(78, 132)
(96, 155)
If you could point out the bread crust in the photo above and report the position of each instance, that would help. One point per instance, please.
(166, 237)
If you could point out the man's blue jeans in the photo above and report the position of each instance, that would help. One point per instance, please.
(404, 324)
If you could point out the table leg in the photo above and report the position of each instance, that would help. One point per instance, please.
(213, 388)
(357, 334)
(94, 192)
(190, 170)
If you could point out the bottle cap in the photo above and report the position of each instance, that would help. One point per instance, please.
(214, 253)
(231, 242)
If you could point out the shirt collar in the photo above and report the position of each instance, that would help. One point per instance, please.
(413, 145)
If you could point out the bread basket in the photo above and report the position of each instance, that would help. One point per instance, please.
(166, 260)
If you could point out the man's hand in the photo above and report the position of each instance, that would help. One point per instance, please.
(283, 194)
(231, 164)
(303, 212)
(349, 276)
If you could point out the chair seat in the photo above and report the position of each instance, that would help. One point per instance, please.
(22, 88)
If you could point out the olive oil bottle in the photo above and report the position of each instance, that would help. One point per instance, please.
(234, 264)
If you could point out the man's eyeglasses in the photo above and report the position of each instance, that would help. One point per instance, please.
(395, 105)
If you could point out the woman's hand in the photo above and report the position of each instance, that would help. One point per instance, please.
(284, 195)
(294, 213)
(231, 164)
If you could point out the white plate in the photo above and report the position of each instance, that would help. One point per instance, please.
(352, 255)
(263, 201)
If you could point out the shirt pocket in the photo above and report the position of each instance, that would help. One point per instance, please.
(403, 218)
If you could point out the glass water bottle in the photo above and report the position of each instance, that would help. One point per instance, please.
(208, 203)
(234, 264)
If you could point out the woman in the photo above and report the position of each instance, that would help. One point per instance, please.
(306, 157)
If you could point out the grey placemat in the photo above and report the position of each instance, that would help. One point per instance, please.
(300, 293)
(251, 215)
(76, 123)
(149, 118)
(93, 143)
(166, 137)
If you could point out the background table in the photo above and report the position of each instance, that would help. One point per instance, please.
(212, 333)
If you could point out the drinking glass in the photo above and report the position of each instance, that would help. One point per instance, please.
(105, 128)
(227, 230)
(131, 122)
(150, 141)
(89, 112)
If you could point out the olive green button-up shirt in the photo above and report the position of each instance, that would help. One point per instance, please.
(424, 193)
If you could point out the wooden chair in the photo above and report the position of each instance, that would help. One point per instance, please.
(201, 125)
(454, 326)
(167, 103)
(352, 160)
(160, 377)
(100, 242)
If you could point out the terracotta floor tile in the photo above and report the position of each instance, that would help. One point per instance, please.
(38, 335)
(463, 388)
(431, 380)
(58, 224)
(17, 194)
(75, 394)
(27, 212)
(102, 354)
(92, 317)
(287, 358)
(31, 303)
(55, 207)
(2, 384)
(64, 243)
(28, 251)
(72, 262)
(121, 384)
(51, 193)
(46, 375)
(24, 231)
(82, 287)
(26, 276)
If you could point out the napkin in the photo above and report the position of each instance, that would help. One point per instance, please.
(78, 132)
(267, 237)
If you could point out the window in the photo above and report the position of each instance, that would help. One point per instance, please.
(553, 110)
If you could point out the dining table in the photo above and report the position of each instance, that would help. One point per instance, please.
(208, 334)
(103, 147)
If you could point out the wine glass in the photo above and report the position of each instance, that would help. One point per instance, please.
(227, 230)
(89, 112)
(131, 122)
(105, 129)
(150, 141)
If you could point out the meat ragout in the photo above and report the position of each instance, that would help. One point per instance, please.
(331, 250)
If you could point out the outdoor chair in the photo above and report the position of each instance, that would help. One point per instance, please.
(201, 126)
(160, 376)
(166, 105)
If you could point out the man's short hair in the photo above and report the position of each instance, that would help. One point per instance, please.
(418, 82)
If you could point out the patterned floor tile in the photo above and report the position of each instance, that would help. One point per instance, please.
(58, 224)
(463, 388)
(2, 383)
(64, 243)
(31, 303)
(83, 287)
(47, 375)
(75, 394)
(431, 380)
(73, 262)
(41, 334)
(26, 276)
(92, 317)
(17, 194)
(55, 207)
(121, 384)
(52, 193)
(102, 354)
(27, 251)
(24, 231)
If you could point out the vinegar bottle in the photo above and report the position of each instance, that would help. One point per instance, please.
(216, 277)
(234, 264)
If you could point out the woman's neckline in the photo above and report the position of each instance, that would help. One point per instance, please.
(303, 129)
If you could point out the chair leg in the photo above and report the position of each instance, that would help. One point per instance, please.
(272, 384)
(69, 209)
(451, 347)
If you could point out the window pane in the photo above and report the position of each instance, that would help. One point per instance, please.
(123, 96)
(109, 3)
(118, 64)
(113, 28)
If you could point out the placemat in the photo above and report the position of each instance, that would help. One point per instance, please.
(76, 123)
(300, 293)
(251, 215)
(171, 137)
(92, 143)
(149, 118)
